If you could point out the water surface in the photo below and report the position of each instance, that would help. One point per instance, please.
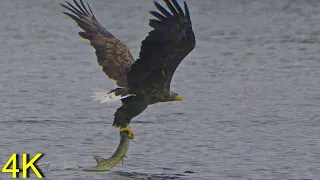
(251, 92)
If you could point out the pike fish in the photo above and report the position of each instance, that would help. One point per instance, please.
(118, 155)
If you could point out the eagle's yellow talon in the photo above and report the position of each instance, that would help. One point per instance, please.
(130, 134)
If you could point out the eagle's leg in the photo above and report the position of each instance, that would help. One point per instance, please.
(130, 133)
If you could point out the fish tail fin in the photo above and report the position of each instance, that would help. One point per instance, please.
(98, 159)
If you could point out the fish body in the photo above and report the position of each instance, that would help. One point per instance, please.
(118, 155)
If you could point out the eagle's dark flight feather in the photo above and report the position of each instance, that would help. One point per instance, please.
(170, 41)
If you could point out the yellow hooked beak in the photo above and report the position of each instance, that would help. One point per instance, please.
(179, 98)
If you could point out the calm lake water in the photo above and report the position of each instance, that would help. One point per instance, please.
(251, 90)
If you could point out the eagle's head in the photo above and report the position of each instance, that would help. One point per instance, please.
(174, 96)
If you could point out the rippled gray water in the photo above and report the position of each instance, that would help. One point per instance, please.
(251, 92)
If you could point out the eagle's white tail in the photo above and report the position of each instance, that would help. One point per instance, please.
(107, 96)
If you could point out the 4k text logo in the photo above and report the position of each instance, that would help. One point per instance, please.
(26, 165)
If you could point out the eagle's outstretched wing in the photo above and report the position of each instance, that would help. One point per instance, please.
(113, 55)
(170, 41)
